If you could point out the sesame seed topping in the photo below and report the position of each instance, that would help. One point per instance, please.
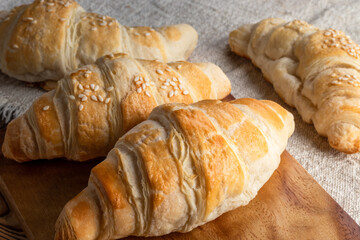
(28, 19)
(81, 107)
(72, 97)
(146, 80)
(96, 88)
(143, 86)
(147, 34)
(62, 19)
(93, 28)
(178, 67)
(92, 86)
(138, 82)
(50, 3)
(136, 33)
(81, 95)
(333, 75)
(327, 33)
(176, 92)
(86, 75)
(110, 23)
(174, 79)
(80, 86)
(94, 98)
(161, 79)
(159, 71)
(137, 78)
(110, 88)
(51, 10)
(163, 87)
(147, 84)
(15, 46)
(167, 69)
(147, 93)
(180, 86)
(101, 99)
(103, 23)
(171, 93)
(167, 84)
(83, 99)
(185, 92)
(46, 108)
(173, 84)
(139, 90)
(152, 83)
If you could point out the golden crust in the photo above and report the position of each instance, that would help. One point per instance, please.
(93, 106)
(48, 39)
(179, 169)
(317, 71)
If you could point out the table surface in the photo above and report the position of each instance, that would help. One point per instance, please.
(337, 173)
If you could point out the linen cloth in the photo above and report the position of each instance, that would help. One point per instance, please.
(337, 173)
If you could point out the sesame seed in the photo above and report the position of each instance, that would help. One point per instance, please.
(163, 87)
(171, 93)
(93, 28)
(146, 80)
(67, 4)
(180, 86)
(62, 19)
(174, 79)
(88, 71)
(347, 75)
(72, 97)
(50, 3)
(167, 84)
(102, 23)
(159, 71)
(15, 46)
(110, 23)
(86, 75)
(101, 99)
(110, 88)
(143, 86)
(139, 90)
(80, 86)
(147, 93)
(87, 86)
(161, 79)
(138, 82)
(50, 10)
(94, 98)
(137, 78)
(147, 34)
(81, 95)
(327, 33)
(46, 108)
(178, 67)
(84, 99)
(107, 100)
(185, 92)
(176, 92)
(333, 75)
(152, 83)
(28, 19)
(173, 84)
(81, 107)
(167, 69)
(92, 86)
(147, 84)
(96, 88)
(136, 33)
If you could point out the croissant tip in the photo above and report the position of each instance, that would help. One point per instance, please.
(63, 228)
(344, 137)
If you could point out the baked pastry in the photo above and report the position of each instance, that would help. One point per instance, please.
(183, 167)
(49, 38)
(92, 107)
(316, 71)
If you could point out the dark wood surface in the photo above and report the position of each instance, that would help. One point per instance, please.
(291, 205)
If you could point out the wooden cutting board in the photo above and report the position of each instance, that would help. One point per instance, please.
(291, 205)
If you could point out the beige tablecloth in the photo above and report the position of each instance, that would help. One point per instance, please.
(338, 173)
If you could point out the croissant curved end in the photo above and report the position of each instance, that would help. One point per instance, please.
(344, 137)
(71, 225)
(11, 147)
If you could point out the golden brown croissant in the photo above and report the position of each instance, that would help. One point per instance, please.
(92, 107)
(317, 71)
(183, 167)
(49, 38)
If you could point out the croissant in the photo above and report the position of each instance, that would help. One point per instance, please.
(182, 167)
(92, 107)
(317, 71)
(49, 38)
